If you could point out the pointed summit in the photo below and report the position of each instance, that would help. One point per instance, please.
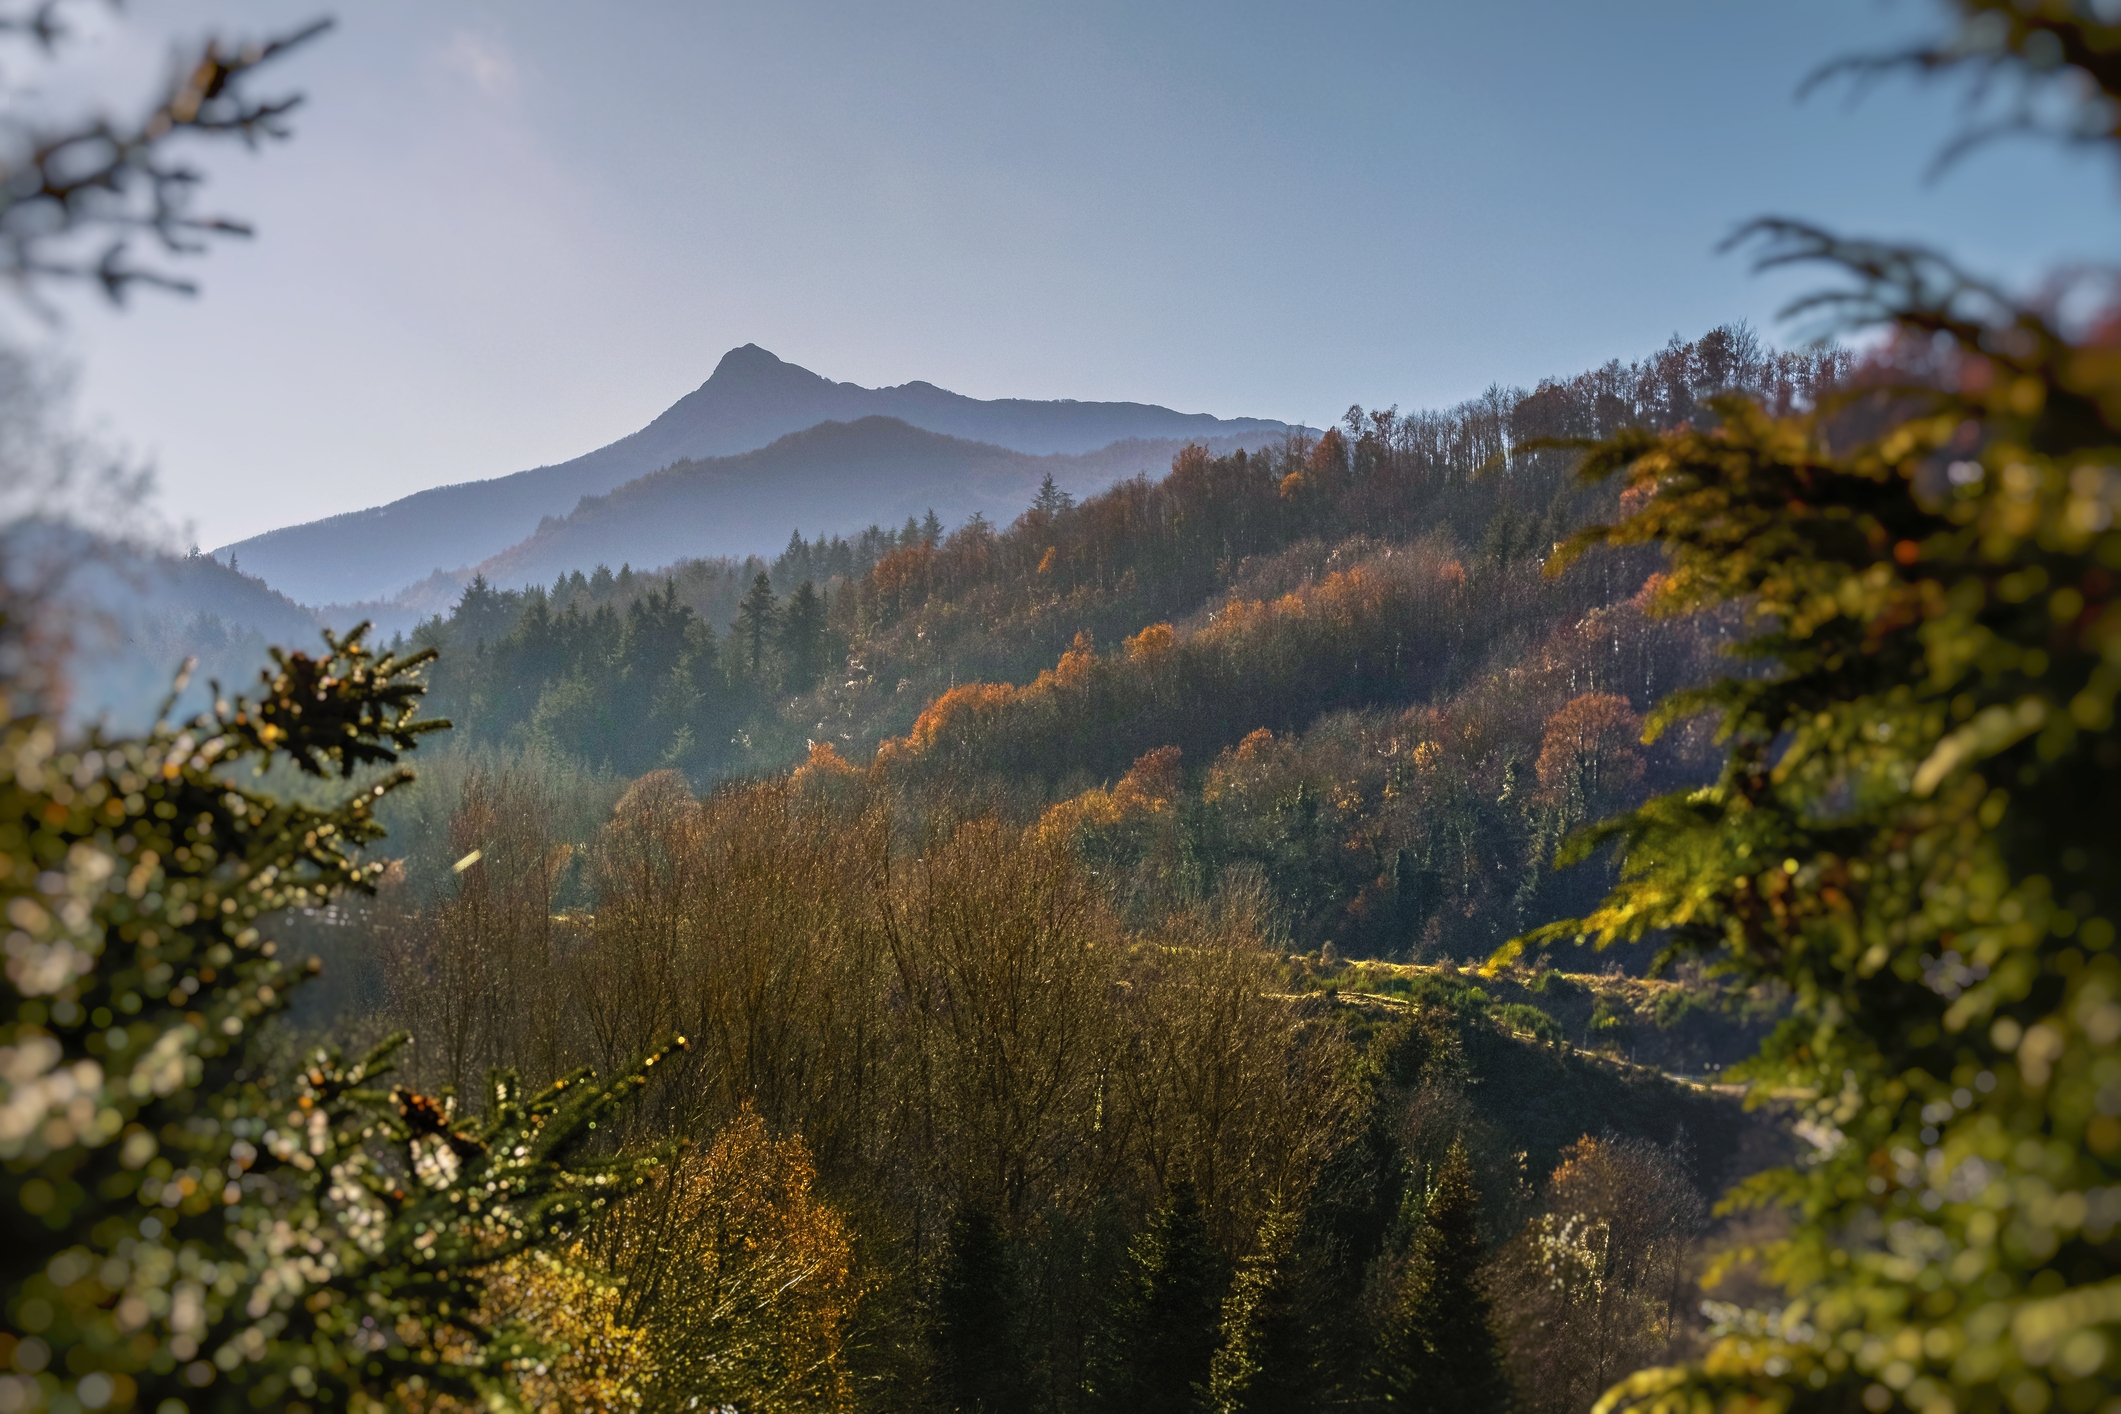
(750, 361)
(752, 399)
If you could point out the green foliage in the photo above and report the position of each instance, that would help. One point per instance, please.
(1523, 1016)
(193, 1227)
(1051, 499)
(1165, 1325)
(1914, 830)
(1549, 982)
(1674, 1006)
(1439, 1353)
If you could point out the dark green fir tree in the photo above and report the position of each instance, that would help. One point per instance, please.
(1439, 1351)
(1051, 500)
(1264, 1364)
(756, 617)
(1167, 1322)
(803, 638)
(979, 1361)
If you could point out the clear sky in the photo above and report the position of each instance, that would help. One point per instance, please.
(507, 233)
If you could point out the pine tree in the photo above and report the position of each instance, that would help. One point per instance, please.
(795, 560)
(1913, 832)
(151, 1171)
(1166, 1325)
(803, 638)
(1263, 1365)
(980, 1367)
(483, 612)
(1439, 1352)
(1051, 500)
(931, 527)
(756, 616)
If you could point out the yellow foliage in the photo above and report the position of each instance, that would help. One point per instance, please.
(602, 1361)
(724, 1282)
(560, 1303)
(740, 1278)
(958, 708)
(1343, 601)
(825, 766)
(1151, 643)
(1236, 617)
(1074, 667)
(1146, 790)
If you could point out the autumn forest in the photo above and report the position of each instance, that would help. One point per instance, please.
(1601, 897)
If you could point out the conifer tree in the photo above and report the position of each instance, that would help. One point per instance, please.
(979, 1360)
(756, 616)
(931, 527)
(1166, 1325)
(794, 559)
(1914, 829)
(1438, 1353)
(1051, 500)
(184, 1226)
(1264, 1364)
(803, 638)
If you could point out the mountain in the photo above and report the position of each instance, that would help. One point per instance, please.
(752, 399)
(134, 613)
(833, 478)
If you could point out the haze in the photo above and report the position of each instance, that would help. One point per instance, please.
(507, 234)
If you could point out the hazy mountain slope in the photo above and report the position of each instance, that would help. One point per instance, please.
(833, 478)
(752, 399)
(137, 614)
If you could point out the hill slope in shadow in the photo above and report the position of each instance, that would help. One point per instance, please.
(834, 478)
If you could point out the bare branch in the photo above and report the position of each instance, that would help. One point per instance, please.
(123, 180)
(2055, 69)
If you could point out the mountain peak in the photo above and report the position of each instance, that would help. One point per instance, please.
(749, 363)
(753, 398)
(746, 356)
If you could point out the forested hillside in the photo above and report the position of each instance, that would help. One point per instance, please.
(751, 401)
(1344, 650)
(1601, 899)
(1066, 922)
(835, 475)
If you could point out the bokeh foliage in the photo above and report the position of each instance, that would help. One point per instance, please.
(189, 1223)
(1914, 829)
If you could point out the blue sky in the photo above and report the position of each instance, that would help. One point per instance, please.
(508, 233)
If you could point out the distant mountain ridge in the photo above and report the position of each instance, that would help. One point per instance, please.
(833, 478)
(752, 400)
(134, 611)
